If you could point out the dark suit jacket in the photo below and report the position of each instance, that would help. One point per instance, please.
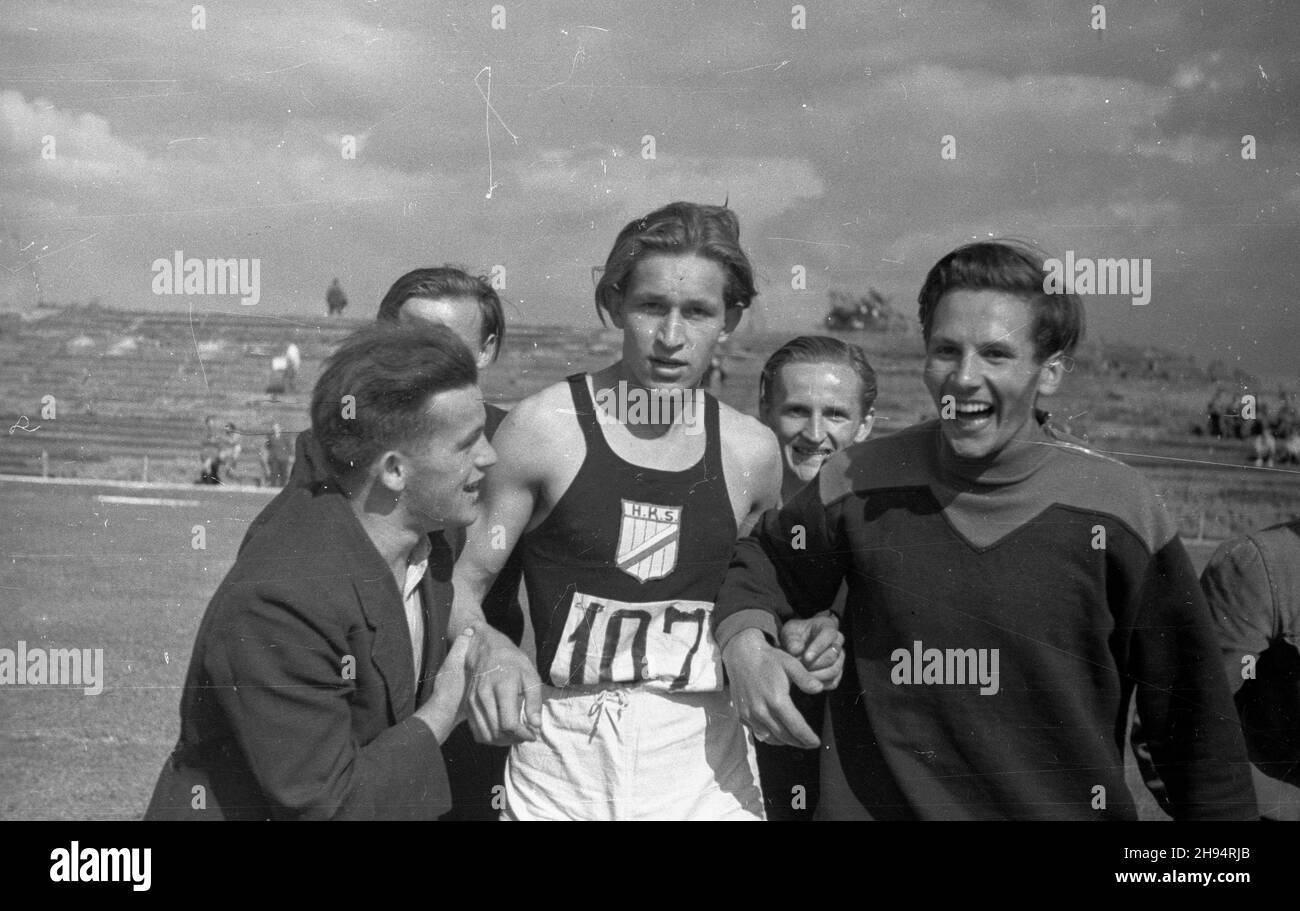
(476, 770)
(299, 697)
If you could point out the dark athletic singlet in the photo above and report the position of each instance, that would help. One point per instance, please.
(622, 573)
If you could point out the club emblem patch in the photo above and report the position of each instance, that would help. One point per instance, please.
(647, 540)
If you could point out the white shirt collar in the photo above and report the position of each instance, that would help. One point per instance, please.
(417, 563)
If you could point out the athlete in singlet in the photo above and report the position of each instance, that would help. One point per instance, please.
(625, 491)
(621, 576)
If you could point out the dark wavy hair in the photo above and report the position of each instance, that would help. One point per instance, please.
(1013, 267)
(390, 372)
(679, 228)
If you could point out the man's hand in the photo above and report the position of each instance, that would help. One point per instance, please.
(446, 707)
(819, 644)
(760, 678)
(500, 674)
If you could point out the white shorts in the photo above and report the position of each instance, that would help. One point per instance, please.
(634, 753)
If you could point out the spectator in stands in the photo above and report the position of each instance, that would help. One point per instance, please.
(1260, 431)
(1286, 429)
(1219, 404)
(88, 389)
(230, 451)
(210, 453)
(279, 456)
(1286, 435)
(293, 361)
(279, 377)
(1233, 424)
(335, 299)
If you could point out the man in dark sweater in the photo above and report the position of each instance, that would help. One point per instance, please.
(1008, 591)
(817, 394)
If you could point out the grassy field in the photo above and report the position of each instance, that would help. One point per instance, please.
(79, 572)
(82, 573)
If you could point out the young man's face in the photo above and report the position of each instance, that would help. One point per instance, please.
(672, 315)
(443, 471)
(815, 410)
(461, 315)
(981, 352)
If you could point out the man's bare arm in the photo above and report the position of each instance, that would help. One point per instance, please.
(499, 672)
(753, 467)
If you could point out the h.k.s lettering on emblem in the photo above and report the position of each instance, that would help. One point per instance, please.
(647, 540)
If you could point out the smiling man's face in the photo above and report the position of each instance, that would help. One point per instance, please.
(981, 352)
(815, 410)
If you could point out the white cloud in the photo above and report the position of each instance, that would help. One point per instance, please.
(83, 147)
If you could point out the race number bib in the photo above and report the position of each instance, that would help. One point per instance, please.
(663, 644)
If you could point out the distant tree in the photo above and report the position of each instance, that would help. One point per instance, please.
(872, 312)
(335, 298)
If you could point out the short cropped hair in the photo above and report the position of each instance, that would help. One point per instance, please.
(448, 281)
(817, 349)
(1013, 267)
(390, 372)
(679, 228)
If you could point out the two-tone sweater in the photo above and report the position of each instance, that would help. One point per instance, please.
(1000, 615)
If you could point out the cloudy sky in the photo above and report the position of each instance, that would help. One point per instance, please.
(828, 140)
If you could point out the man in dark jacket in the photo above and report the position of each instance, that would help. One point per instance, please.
(469, 306)
(321, 685)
